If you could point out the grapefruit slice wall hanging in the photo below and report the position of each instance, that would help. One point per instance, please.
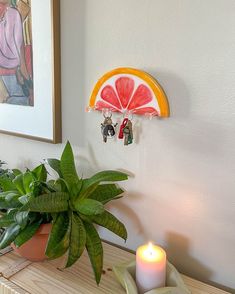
(127, 90)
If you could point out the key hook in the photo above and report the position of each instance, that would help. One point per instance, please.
(128, 114)
(107, 113)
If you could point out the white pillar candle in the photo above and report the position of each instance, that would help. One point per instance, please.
(150, 268)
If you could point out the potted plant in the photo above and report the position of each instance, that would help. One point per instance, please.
(71, 204)
(20, 226)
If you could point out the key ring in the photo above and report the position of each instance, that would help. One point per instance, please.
(128, 114)
(107, 113)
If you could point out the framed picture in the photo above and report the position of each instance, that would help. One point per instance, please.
(30, 96)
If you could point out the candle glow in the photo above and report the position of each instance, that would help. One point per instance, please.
(151, 253)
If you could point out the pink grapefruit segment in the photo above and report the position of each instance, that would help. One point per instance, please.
(109, 95)
(100, 105)
(141, 97)
(146, 110)
(125, 88)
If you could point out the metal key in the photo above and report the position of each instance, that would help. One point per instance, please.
(130, 138)
(108, 129)
(128, 134)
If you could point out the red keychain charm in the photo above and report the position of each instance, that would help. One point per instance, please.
(123, 125)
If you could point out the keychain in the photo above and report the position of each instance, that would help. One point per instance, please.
(123, 125)
(107, 127)
(126, 132)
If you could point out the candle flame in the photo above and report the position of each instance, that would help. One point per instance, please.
(150, 248)
(151, 252)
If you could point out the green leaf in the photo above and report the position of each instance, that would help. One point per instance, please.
(87, 189)
(40, 173)
(108, 176)
(63, 246)
(75, 189)
(9, 235)
(9, 204)
(95, 250)
(39, 188)
(63, 185)
(77, 240)
(21, 218)
(27, 234)
(6, 184)
(3, 194)
(12, 195)
(28, 179)
(110, 222)
(58, 242)
(16, 172)
(6, 220)
(106, 192)
(89, 207)
(105, 176)
(67, 166)
(54, 186)
(53, 202)
(55, 165)
(24, 199)
(19, 184)
(74, 193)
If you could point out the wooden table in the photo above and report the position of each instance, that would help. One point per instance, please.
(48, 278)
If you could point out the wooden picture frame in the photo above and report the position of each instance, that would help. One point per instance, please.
(39, 118)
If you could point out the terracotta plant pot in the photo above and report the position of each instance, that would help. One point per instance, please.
(34, 249)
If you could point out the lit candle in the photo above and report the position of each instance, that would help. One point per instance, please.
(150, 267)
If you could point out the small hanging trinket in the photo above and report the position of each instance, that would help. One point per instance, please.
(107, 127)
(126, 132)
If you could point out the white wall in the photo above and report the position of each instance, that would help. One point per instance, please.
(182, 192)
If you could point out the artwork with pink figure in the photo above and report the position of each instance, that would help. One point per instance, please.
(127, 94)
(16, 73)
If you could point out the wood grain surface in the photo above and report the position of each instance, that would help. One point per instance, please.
(49, 277)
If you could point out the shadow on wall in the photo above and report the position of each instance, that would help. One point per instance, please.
(130, 213)
(177, 92)
(178, 251)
